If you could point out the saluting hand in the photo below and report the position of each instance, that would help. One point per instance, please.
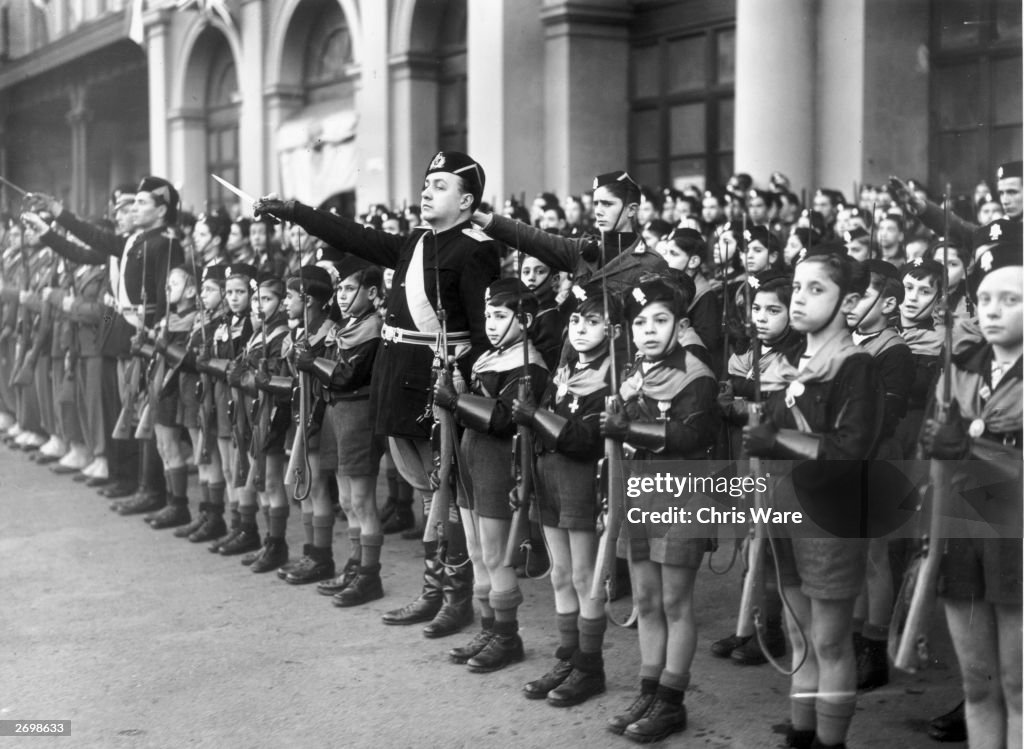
(35, 222)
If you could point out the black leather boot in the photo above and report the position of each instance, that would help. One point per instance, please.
(585, 681)
(872, 664)
(275, 554)
(637, 709)
(951, 726)
(247, 539)
(456, 612)
(215, 547)
(364, 588)
(319, 565)
(723, 648)
(337, 584)
(187, 530)
(284, 569)
(750, 653)
(424, 608)
(172, 516)
(473, 647)
(144, 501)
(213, 527)
(504, 648)
(659, 722)
(538, 688)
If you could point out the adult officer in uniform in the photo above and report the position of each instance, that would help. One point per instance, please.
(447, 255)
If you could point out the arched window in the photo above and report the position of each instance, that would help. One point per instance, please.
(222, 102)
(327, 70)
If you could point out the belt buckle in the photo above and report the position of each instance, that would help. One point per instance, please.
(389, 334)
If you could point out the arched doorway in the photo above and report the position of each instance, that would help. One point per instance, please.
(221, 115)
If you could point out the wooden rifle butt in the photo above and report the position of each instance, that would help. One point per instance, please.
(144, 431)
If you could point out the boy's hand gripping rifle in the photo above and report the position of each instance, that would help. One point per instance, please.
(522, 452)
(299, 468)
(610, 477)
(909, 649)
(260, 416)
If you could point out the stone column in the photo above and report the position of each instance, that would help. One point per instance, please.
(414, 123)
(505, 102)
(78, 117)
(372, 101)
(186, 128)
(252, 138)
(775, 90)
(158, 67)
(586, 92)
(279, 103)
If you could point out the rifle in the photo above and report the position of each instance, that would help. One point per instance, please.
(261, 417)
(133, 370)
(241, 434)
(609, 471)
(298, 465)
(909, 648)
(204, 388)
(21, 345)
(157, 375)
(37, 333)
(522, 453)
(443, 435)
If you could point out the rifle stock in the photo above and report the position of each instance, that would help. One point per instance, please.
(144, 430)
(241, 435)
(298, 466)
(614, 512)
(442, 439)
(753, 581)
(123, 427)
(522, 474)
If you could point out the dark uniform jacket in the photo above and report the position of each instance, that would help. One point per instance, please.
(463, 260)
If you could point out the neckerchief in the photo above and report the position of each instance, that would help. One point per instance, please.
(923, 340)
(701, 287)
(177, 323)
(276, 325)
(356, 331)
(665, 379)
(999, 408)
(878, 343)
(507, 359)
(770, 364)
(578, 380)
(689, 337)
(823, 366)
(318, 335)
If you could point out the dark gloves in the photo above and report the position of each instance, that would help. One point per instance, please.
(445, 396)
(945, 441)
(303, 358)
(280, 209)
(614, 425)
(759, 439)
(234, 374)
(523, 411)
(160, 343)
(203, 363)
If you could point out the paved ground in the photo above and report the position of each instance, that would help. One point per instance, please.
(144, 640)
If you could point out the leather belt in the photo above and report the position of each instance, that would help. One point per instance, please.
(419, 338)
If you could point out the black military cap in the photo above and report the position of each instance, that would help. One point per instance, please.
(659, 227)
(327, 254)
(215, 273)
(1000, 230)
(855, 234)
(922, 267)
(769, 278)
(762, 236)
(350, 265)
(882, 268)
(654, 289)
(506, 292)
(270, 282)
(826, 247)
(163, 193)
(591, 298)
(1010, 169)
(458, 163)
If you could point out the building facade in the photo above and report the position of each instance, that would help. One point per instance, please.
(347, 99)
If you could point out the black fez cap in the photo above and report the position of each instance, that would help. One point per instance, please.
(1010, 169)
(769, 276)
(650, 290)
(312, 280)
(461, 165)
(215, 273)
(1000, 230)
(827, 247)
(350, 265)
(327, 254)
(590, 298)
(506, 292)
(882, 268)
(999, 255)
(659, 227)
(763, 236)
(163, 193)
(269, 281)
(609, 178)
(244, 270)
(855, 234)
(922, 266)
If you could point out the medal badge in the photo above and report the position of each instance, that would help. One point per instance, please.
(794, 391)
(976, 429)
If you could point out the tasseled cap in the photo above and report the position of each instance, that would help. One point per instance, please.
(999, 231)
(163, 193)
(506, 292)
(461, 165)
(655, 289)
(216, 273)
(271, 283)
(590, 299)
